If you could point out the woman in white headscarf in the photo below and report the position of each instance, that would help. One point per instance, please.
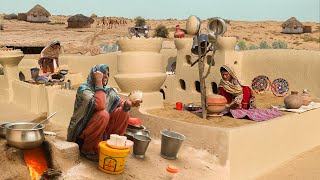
(238, 95)
(48, 56)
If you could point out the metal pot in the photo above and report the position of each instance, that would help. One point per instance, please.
(3, 129)
(22, 136)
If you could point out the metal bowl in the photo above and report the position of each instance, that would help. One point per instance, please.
(22, 136)
(191, 107)
(3, 129)
(63, 72)
(42, 79)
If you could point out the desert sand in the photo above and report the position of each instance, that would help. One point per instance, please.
(87, 40)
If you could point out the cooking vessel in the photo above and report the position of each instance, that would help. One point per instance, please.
(3, 129)
(22, 136)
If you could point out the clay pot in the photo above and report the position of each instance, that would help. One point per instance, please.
(216, 103)
(293, 101)
(306, 97)
(179, 33)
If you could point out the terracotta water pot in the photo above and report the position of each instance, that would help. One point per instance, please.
(216, 103)
(293, 101)
(306, 97)
(179, 33)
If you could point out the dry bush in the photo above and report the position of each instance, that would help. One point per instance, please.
(10, 16)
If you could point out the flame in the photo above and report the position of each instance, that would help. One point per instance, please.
(36, 161)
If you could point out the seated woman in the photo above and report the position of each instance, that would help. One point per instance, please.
(98, 112)
(48, 56)
(237, 95)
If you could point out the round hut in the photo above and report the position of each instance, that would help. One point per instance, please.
(79, 21)
(292, 26)
(38, 14)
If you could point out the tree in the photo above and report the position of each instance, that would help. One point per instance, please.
(161, 31)
(139, 21)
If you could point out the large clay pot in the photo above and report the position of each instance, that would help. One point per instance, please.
(216, 103)
(293, 101)
(306, 97)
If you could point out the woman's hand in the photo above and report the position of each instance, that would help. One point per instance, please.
(97, 76)
(130, 103)
(136, 103)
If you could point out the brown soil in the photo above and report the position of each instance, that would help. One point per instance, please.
(87, 40)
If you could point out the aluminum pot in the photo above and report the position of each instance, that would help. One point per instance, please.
(22, 136)
(3, 129)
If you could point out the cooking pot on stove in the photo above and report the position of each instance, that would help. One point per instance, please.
(22, 136)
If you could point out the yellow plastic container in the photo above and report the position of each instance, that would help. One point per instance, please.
(112, 160)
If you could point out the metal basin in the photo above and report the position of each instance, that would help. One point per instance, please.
(20, 135)
(3, 129)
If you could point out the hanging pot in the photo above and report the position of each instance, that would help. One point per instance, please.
(217, 26)
(203, 44)
(193, 25)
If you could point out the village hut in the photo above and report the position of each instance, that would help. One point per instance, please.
(93, 16)
(79, 21)
(38, 14)
(292, 26)
(22, 16)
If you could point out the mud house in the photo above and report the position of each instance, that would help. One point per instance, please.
(79, 21)
(292, 26)
(38, 14)
(22, 16)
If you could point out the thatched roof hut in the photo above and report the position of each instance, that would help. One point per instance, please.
(93, 16)
(38, 14)
(292, 26)
(79, 21)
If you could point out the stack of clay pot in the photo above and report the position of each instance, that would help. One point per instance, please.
(216, 104)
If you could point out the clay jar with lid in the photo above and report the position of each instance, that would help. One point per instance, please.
(306, 97)
(293, 101)
(216, 103)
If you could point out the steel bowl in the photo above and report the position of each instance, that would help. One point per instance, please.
(3, 129)
(22, 136)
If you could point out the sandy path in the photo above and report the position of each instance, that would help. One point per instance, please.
(192, 164)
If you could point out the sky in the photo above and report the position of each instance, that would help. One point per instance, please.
(242, 10)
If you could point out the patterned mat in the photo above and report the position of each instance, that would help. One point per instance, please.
(256, 114)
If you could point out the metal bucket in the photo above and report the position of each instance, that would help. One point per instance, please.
(34, 73)
(170, 143)
(140, 146)
(204, 42)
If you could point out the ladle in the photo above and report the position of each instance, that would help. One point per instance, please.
(44, 120)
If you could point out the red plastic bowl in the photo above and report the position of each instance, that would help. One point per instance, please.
(135, 121)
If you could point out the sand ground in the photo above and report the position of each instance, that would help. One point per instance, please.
(87, 40)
